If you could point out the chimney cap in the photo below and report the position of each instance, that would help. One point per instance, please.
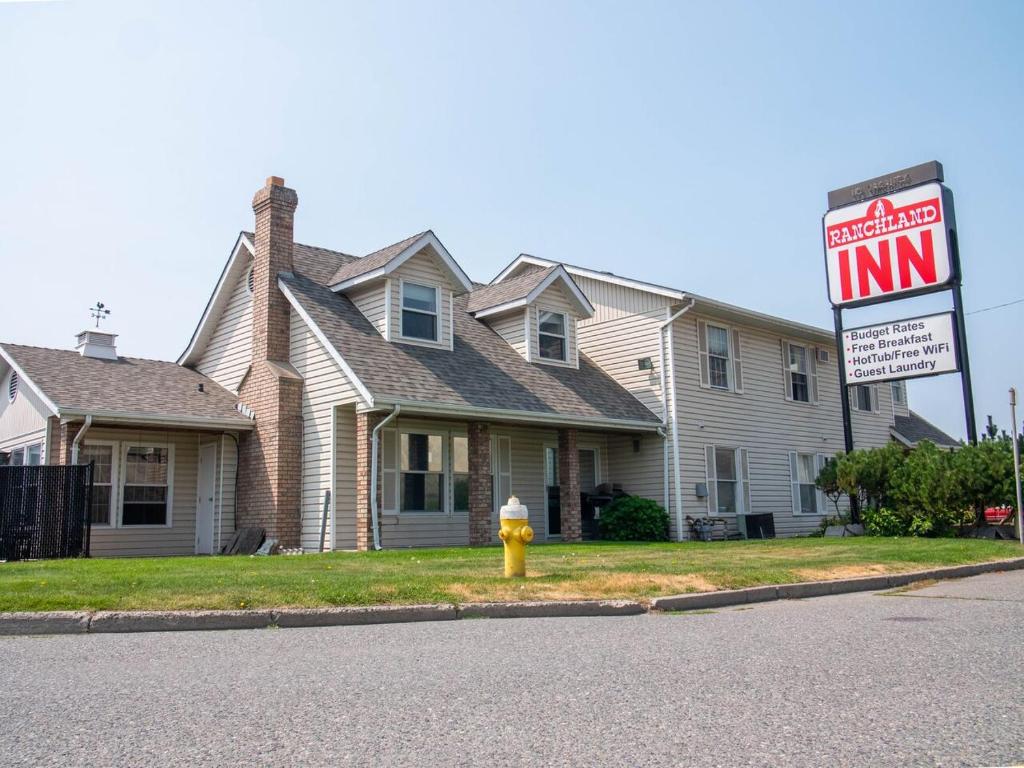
(275, 181)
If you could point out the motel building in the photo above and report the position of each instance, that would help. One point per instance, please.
(389, 400)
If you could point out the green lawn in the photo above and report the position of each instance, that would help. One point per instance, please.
(463, 575)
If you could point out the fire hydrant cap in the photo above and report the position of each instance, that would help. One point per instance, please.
(514, 510)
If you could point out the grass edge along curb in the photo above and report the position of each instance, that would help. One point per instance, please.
(83, 622)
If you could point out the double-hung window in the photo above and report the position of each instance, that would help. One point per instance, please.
(864, 397)
(460, 473)
(552, 335)
(146, 485)
(899, 393)
(104, 480)
(728, 476)
(800, 374)
(719, 352)
(422, 472)
(419, 311)
(803, 474)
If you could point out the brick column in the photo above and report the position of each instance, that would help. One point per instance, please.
(481, 498)
(569, 485)
(365, 424)
(63, 436)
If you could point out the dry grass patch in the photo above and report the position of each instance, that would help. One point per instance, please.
(842, 572)
(610, 586)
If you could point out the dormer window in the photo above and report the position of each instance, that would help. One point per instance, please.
(551, 332)
(419, 311)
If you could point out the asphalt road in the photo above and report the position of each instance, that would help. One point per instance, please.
(931, 677)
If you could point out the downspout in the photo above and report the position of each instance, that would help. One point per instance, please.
(78, 439)
(667, 375)
(373, 474)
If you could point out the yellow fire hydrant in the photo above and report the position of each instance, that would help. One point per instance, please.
(516, 533)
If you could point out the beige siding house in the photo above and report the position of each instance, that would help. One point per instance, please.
(345, 402)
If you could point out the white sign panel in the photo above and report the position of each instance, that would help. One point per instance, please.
(888, 246)
(904, 349)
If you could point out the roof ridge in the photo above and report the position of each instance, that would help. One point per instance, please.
(75, 352)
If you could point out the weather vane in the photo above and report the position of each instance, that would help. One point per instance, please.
(100, 312)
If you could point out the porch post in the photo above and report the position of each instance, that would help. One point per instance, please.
(480, 493)
(569, 485)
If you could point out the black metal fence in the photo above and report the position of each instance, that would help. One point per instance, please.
(44, 511)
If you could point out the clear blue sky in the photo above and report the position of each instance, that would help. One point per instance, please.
(690, 144)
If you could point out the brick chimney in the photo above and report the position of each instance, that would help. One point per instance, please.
(269, 461)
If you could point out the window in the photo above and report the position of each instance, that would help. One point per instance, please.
(803, 472)
(145, 486)
(17, 457)
(799, 368)
(422, 472)
(719, 353)
(718, 356)
(419, 311)
(551, 335)
(12, 386)
(899, 396)
(864, 397)
(728, 476)
(460, 473)
(34, 455)
(102, 480)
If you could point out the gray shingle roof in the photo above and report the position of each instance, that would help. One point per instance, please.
(914, 428)
(369, 262)
(483, 371)
(513, 289)
(317, 263)
(150, 388)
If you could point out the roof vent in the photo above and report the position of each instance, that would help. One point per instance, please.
(99, 344)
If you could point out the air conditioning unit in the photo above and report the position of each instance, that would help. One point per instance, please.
(823, 355)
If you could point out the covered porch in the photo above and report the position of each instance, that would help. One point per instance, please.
(441, 481)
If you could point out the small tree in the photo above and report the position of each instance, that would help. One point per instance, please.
(828, 482)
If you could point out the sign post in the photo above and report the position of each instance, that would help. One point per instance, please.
(891, 238)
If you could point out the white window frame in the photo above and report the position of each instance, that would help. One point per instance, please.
(394, 473)
(811, 358)
(126, 445)
(901, 387)
(450, 483)
(872, 396)
(741, 460)
(498, 473)
(564, 337)
(436, 314)
(114, 513)
(794, 481)
(28, 448)
(548, 535)
(734, 364)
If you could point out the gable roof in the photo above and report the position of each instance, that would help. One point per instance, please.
(386, 260)
(483, 374)
(911, 430)
(130, 389)
(524, 289)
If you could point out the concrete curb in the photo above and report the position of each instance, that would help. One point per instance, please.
(357, 615)
(561, 608)
(44, 623)
(177, 621)
(81, 622)
(693, 601)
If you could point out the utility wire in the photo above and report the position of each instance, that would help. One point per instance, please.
(997, 306)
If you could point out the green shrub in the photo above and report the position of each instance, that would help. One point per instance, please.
(632, 518)
(884, 522)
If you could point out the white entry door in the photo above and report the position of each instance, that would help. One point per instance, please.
(207, 490)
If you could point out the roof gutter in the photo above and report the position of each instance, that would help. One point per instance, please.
(78, 439)
(374, 450)
(668, 378)
(146, 419)
(502, 414)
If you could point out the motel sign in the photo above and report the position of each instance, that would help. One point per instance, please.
(888, 247)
